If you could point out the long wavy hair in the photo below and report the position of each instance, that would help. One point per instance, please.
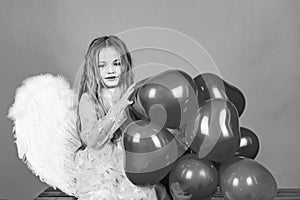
(91, 82)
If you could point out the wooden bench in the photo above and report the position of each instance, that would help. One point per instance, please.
(282, 194)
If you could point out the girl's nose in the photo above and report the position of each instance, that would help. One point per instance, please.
(110, 68)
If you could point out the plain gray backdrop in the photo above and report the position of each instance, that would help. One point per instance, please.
(255, 44)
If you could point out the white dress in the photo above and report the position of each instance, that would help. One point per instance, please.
(101, 173)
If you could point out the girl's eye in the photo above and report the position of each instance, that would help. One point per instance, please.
(117, 63)
(101, 65)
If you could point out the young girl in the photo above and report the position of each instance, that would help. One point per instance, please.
(106, 84)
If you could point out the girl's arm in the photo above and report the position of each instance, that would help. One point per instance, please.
(94, 132)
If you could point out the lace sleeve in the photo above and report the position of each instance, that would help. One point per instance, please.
(91, 128)
(95, 132)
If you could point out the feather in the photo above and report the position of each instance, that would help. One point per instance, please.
(44, 118)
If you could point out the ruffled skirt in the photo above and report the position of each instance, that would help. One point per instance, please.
(101, 176)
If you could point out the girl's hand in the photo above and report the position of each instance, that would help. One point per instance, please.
(122, 104)
(127, 94)
(115, 113)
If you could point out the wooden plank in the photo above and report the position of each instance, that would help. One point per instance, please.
(52, 194)
(282, 194)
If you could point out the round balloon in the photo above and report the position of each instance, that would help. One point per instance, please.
(211, 86)
(193, 177)
(165, 180)
(244, 178)
(249, 145)
(150, 152)
(218, 134)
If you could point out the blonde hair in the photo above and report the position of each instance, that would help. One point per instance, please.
(91, 82)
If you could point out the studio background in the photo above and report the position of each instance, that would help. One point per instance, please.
(255, 44)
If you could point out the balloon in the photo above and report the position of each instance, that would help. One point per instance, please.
(193, 177)
(158, 102)
(212, 86)
(168, 99)
(218, 134)
(249, 145)
(165, 180)
(236, 96)
(167, 103)
(246, 179)
(149, 152)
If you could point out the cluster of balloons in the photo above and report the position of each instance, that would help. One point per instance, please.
(183, 134)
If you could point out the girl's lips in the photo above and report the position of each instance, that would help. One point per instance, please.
(111, 77)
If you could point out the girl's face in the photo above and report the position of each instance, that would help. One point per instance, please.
(109, 64)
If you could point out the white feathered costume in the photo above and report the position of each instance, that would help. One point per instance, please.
(44, 118)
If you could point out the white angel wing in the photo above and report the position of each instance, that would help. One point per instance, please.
(45, 129)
